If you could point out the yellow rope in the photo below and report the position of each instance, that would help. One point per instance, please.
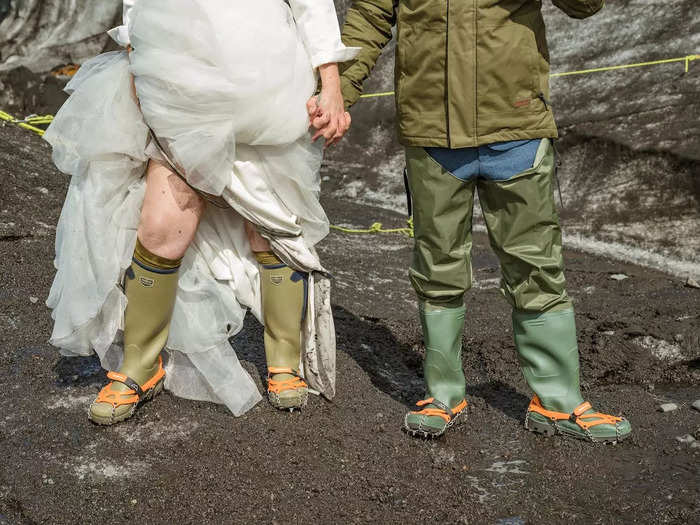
(686, 59)
(377, 228)
(28, 122)
(372, 95)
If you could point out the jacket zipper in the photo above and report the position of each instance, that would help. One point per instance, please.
(544, 101)
(447, 75)
(475, 105)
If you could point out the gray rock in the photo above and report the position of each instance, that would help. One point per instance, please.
(42, 34)
(686, 439)
(692, 283)
(619, 277)
(668, 407)
(696, 404)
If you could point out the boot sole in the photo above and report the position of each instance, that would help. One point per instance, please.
(423, 434)
(113, 420)
(550, 430)
(289, 404)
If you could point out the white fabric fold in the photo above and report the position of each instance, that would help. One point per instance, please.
(316, 20)
(239, 131)
(120, 34)
(320, 32)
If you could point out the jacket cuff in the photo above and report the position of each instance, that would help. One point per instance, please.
(120, 35)
(351, 93)
(340, 54)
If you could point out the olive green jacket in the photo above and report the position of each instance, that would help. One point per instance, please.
(468, 72)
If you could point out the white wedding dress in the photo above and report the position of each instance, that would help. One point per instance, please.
(223, 86)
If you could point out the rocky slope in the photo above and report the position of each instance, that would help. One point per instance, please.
(630, 139)
(180, 461)
(41, 34)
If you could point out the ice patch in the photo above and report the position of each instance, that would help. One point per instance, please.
(8, 321)
(69, 401)
(508, 467)
(484, 494)
(102, 469)
(485, 284)
(660, 349)
(442, 457)
(160, 431)
(619, 277)
(620, 252)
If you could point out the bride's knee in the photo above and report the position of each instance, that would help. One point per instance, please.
(167, 233)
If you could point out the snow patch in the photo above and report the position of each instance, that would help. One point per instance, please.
(660, 349)
(620, 252)
(106, 470)
(508, 467)
(485, 284)
(69, 401)
(160, 431)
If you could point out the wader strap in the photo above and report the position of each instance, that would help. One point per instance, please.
(557, 164)
(409, 204)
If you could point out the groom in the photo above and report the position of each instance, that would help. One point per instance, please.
(472, 99)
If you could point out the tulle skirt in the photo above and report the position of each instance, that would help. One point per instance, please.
(223, 85)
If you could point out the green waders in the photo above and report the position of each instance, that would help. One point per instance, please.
(150, 287)
(284, 297)
(523, 228)
(443, 372)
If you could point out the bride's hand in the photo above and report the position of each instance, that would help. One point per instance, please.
(327, 111)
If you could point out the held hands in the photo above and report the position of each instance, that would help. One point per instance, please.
(327, 111)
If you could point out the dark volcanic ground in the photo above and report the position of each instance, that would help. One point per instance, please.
(180, 461)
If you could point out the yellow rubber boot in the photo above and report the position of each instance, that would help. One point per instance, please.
(284, 296)
(150, 287)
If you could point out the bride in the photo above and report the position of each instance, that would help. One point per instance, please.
(195, 197)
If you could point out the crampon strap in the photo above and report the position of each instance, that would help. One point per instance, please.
(442, 410)
(277, 386)
(134, 394)
(578, 416)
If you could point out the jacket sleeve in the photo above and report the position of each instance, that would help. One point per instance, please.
(120, 34)
(579, 8)
(368, 26)
(318, 25)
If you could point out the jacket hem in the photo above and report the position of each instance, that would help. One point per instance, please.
(455, 142)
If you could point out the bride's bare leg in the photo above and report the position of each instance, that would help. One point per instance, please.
(283, 302)
(170, 214)
(257, 242)
(169, 218)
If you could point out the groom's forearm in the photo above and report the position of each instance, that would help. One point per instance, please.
(367, 25)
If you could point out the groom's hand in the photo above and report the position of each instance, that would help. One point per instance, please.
(330, 120)
(327, 111)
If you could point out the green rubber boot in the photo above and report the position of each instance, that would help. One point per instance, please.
(548, 353)
(284, 296)
(442, 369)
(150, 287)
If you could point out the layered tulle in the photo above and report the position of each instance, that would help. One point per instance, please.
(233, 116)
(237, 68)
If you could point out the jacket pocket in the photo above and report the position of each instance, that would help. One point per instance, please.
(508, 75)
